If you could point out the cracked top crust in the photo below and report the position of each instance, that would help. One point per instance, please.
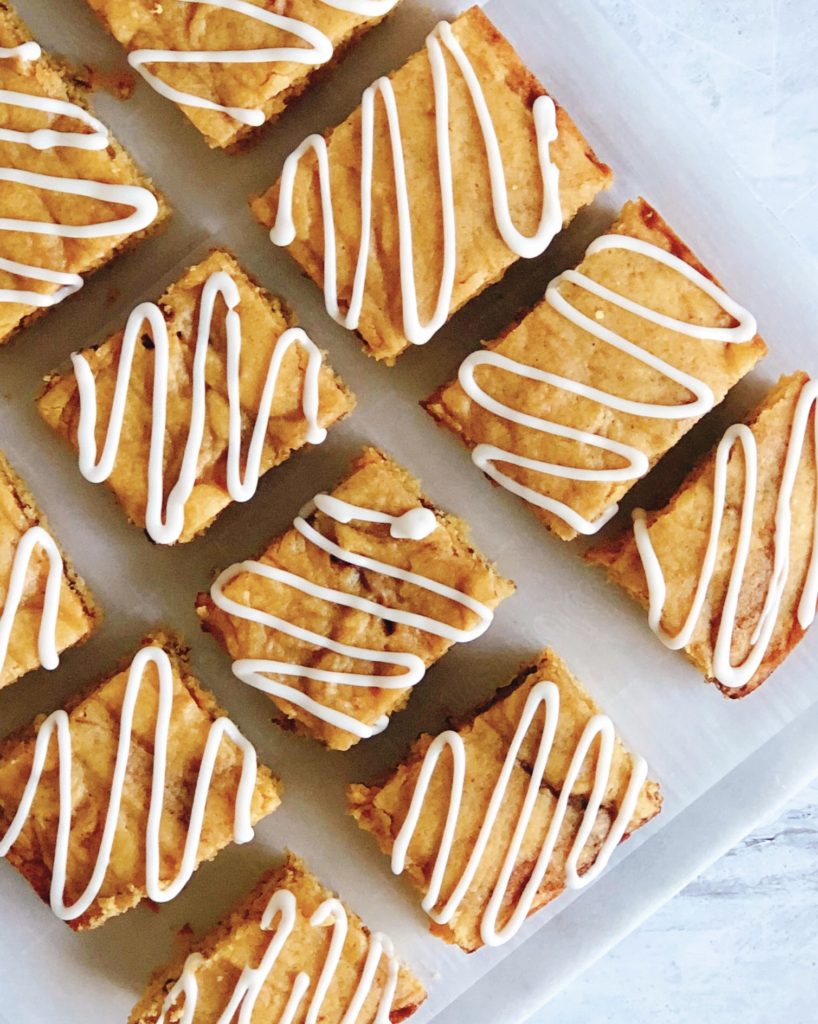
(381, 809)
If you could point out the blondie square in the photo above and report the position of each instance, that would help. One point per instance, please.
(151, 753)
(44, 605)
(325, 985)
(71, 197)
(540, 791)
(577, 401)
(232, 65)
(727, 568)
(218, 370)
(450, 171)
(340, 617)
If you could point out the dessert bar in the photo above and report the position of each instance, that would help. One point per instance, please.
(340, 617)
(71, 197)
(453, 168)
(577, 401)
(121, 795)
(291, 951)
(44, 606)
(209, 389)
(495, 819)
(232, 65)
(728, 568)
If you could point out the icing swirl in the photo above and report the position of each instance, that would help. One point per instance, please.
(415, 524)
(547, 695)
(279, 917)
(485, 456)
(34, 537)
(417, 333)
(141, 200)
(59, 723)
(319, 50)
(729, 675)
(167, 527)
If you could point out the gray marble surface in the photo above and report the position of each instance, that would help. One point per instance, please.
(740, 944)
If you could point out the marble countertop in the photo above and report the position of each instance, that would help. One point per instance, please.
(740, 943)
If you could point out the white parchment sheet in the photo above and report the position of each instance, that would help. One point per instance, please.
(720, 763)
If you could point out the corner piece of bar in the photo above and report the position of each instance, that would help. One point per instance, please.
(494, 819)
(304, 951)
(489, 169)
(728, 568)
(579, 399)
(340, 616)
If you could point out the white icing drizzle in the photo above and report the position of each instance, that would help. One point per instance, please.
(34, 537)
(168, 529)
(59, 722)
(417, 333)
(729, 675)
(144, 204)
(544, 694)
(485, 456)
(415, 524)
(319, 50)
(279, 917)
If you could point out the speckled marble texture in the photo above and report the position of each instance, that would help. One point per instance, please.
(739, 945)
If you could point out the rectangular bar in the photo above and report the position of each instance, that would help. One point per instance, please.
(38, 619)
(291, 911)
(232, 66)
(256, 366)
(474, 167)
(62, 168)
(734, 551)
(151, 715)
(579, 399)
(531, 809)
(343, 613)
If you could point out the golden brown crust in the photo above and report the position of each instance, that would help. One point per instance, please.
(48, 77)
(94, 724)
(239, 941)
(482, 255)
(264, 319)
(680, 531)
(266, 86)
(79, 614)
(446, 555)
(381, 809)
(545, 340)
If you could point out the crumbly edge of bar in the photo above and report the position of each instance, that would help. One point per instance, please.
(77, 94)
(291, 875)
